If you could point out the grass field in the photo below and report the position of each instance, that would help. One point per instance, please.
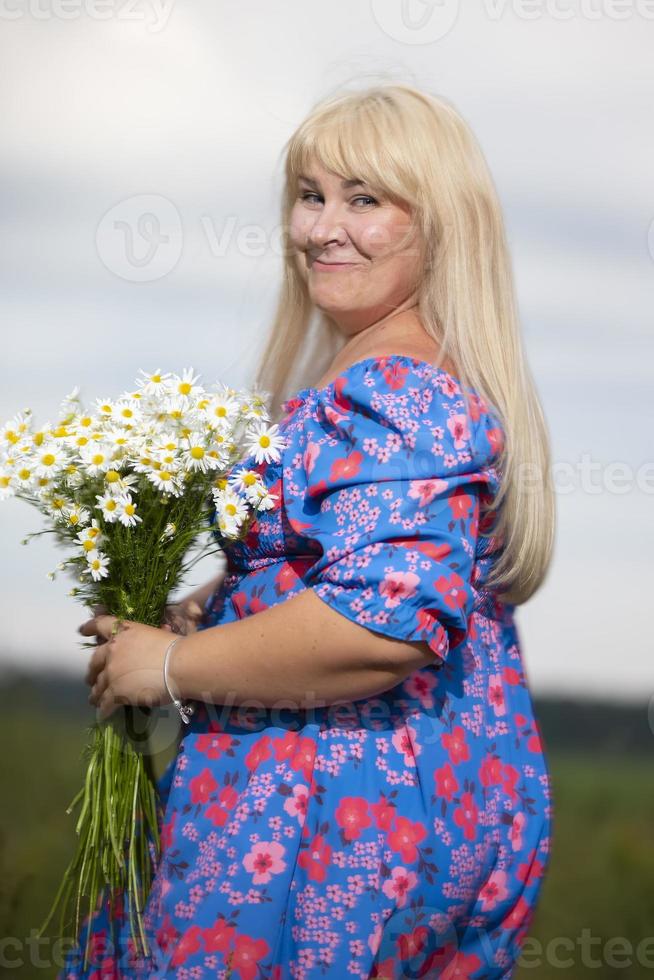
(597, 903)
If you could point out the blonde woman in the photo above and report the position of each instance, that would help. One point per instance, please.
(362, 790)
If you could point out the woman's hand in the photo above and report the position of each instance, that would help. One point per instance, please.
(183, 617)
(127, 667)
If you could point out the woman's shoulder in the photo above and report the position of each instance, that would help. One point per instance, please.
(399, 397)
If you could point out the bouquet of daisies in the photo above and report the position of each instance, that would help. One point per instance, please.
(130, 487)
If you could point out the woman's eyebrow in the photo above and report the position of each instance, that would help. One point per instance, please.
(344, 183)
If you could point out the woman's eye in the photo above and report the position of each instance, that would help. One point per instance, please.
(362, 197)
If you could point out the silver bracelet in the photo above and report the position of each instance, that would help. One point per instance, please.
(185, 710)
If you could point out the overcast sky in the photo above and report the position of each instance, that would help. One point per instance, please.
(186, 108)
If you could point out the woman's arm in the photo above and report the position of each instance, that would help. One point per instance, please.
(298, 653)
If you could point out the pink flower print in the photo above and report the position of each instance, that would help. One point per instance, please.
(490, 771)
(384, 970)
(315, 858)
(202, 786)
(450, 964)
(420, 685)
(510, 776)
(520, 915)
(346, 468)
(531, 870)
(248, 953)
(446, 782)
(213, 744)
(516, 828)
(264, 860)
(405, 837)
(218, 937)
(461, 503)
(309, 457)
(296, 805)
(167, 935)
(167, 831)
(189, 943)
(425, 490)
(456, 745)
(218, 813)
(259, 752)
(494, 890)
(496, 694)
(452, 588)
(384, 813)
(466, 815)
(404, 741)
(398, 586)
(496, 439)
(352, 816)
(399, 884)
(458, 426)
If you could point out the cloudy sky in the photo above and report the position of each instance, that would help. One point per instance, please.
(182, 110)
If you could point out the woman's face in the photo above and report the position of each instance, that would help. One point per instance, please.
(347, 247)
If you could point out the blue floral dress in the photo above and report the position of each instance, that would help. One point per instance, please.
(401, 835)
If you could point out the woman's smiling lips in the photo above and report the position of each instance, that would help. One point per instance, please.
(330, 266)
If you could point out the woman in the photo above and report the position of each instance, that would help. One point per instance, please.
(362, 790)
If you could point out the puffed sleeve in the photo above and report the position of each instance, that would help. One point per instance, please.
(385, 479)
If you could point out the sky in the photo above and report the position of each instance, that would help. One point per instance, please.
(182, 110)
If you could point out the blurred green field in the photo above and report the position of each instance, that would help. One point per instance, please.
(597, 902)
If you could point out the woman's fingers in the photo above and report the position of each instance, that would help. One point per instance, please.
(95, 665)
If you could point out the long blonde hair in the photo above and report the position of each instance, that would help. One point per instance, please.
(416, 148)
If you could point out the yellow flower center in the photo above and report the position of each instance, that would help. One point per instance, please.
(130, 509)
(111, 476)
(48, 459)
(264, 441)
(110, 505)
(4, 482)
(24, 474)
(88, 545)
(197, 452)
(97, 458)
(184, 388)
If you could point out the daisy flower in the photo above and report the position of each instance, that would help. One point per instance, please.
(49, 459)
(97, 458)
(196, 457)
(231, 510)
(265, 443)
(244, 480)
(108, 504)
(13, 431)
(165, 480)
(24, 475)
(76, 515)
(127, 413)
(153, 384)
(186, 384)
(6, 488)
(119, 483)
(98, 565)
(90, 537)
(105, 408)
(219, 409)
(127, 511)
